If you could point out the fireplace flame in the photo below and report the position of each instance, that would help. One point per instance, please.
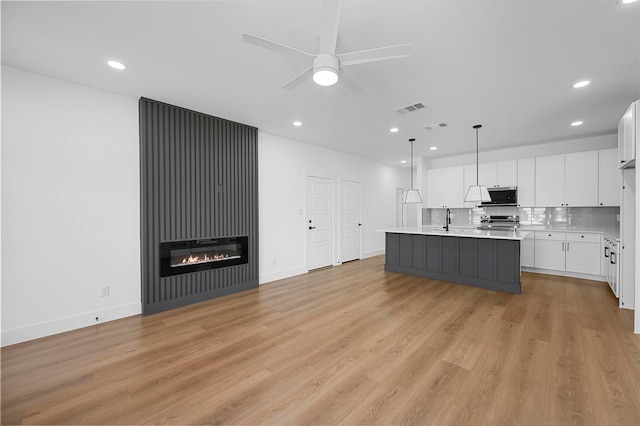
(193, 259)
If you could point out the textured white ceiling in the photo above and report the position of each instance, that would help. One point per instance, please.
(507, 65)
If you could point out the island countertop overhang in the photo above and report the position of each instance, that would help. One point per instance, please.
(458, 232)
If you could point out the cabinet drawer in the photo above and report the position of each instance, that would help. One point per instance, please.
(550, 235)
(576, 236)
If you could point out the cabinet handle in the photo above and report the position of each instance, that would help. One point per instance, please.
(613, 260)
(606, 251)
(567, 246)
(563, 246)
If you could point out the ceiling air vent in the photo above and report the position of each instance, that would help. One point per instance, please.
(434, 126)
(409, 108)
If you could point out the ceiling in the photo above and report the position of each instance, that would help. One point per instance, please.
(508, 65)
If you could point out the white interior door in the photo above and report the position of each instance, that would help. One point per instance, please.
(320, 222)
(350, 228)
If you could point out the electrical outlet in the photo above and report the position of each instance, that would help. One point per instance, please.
(104, 291)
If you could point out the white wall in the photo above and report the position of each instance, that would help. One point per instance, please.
(70, 206)
(283, 167)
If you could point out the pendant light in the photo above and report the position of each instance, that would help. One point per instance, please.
(477, 193)
(413, 195)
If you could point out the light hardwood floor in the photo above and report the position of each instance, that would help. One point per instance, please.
(346, 345)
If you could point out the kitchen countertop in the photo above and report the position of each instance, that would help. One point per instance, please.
(615, 234)
(459, 232)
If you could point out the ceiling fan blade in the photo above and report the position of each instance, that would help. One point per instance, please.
(329, 26)
(348, 81)
(272, 45)
(374, 55)
(299, 79)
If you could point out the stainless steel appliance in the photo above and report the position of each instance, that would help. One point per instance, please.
(502, 196)
(499, 223)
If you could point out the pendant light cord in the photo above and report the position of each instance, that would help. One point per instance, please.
(477, 126)
(411, 167)
(477, 160)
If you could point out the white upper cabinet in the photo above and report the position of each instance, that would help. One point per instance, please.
(569, 180)
(487, 175)
(526, 182)
(581, 179)
(507, 173)
(627, 128)
(609, 186)
(550, 181)
(445, 187)
(494, 174)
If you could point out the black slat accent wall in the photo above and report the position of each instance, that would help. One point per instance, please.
(199, 179)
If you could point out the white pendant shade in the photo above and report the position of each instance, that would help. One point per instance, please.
(477, 194)
(412, 197)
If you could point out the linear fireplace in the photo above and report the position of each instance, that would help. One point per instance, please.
(181, 257)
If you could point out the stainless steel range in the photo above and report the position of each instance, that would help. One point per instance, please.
(499, 223)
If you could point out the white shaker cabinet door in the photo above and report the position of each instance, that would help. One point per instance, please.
(610, 178)
(507, 173)
(583, 253)
(581, 179)
(526, 182)
(550, 181)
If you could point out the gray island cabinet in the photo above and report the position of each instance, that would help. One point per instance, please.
(486, 259)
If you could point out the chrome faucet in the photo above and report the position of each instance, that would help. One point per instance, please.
(447, 220)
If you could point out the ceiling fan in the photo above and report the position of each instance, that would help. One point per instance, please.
(326, 64)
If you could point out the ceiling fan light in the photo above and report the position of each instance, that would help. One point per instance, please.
(325, 76)
(325, 69)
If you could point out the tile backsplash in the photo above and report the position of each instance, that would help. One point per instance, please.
(604, 219)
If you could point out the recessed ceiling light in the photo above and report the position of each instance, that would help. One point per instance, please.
(433, 148)
(404, 161)
(576, 123)
(117, 65)
(393, 130)
(580, 84)
(297, 123)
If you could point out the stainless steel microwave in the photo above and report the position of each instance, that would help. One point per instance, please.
(502, 196)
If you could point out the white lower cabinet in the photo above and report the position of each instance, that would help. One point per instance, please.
(610, 267)
(582, 253)
(549, 250)
(527, 251)
(568, 251)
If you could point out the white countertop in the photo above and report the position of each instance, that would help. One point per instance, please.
(459, 232)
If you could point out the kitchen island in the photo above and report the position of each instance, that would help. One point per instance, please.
(486, 259)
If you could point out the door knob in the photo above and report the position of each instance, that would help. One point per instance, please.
(312, 227)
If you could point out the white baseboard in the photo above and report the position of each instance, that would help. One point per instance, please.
(372, 253)
(280, 275)
(43, 329)
(564, 274)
